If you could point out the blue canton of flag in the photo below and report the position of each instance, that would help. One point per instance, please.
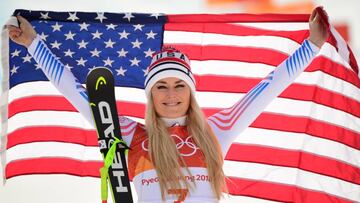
(124, 43)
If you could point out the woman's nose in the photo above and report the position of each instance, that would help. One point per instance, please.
(171, 92)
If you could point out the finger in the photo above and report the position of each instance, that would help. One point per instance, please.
(12, 28)
(14, 35)
(21, 19)
(313, 14)
(12, 32)
(316, 18)
(324, 19)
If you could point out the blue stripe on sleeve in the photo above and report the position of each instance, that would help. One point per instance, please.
(84, 95)
(41, 52)
(57, 67)
(287, 67)
(53, 69)
(292, 64)
(43, 59)
(57, 70)
(46, 62)
(52, 60)
(61, 72)
(308, 46)
(263, 86)
(308, 54)
(249, 95)
(301, 54)
(37, 49)
(254, 92)
(296, 55)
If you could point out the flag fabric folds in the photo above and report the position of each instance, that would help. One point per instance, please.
(303, 148)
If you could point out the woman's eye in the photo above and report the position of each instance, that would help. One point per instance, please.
(161, 87)
(180, 86)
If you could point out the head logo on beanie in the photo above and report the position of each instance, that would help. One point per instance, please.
(169, 63)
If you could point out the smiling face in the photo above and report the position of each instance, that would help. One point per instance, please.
(171, 97)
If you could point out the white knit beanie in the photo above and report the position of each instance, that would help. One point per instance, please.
(169, 63)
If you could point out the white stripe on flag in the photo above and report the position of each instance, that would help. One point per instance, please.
(276, 26)
(295, 141)
(292, 176)
(281, 44)
(53, 149)
(47, 118)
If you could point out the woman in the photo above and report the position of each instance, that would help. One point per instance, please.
(178, 156)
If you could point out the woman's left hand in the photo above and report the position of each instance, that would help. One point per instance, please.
(319, 26)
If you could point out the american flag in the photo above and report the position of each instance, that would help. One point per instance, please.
(303, 148)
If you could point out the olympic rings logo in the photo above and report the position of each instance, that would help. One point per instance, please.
(179, 145)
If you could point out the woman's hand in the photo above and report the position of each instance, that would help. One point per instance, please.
(24, 34)
(319, 26)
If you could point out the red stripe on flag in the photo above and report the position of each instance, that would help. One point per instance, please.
(296, 159)
(309, 126)
(335, 69)
(53, 166)
(353, 62)
(237, 30)
(52, 134)
(231, 53)
(278, 192)
(229, 18)
(42, 103)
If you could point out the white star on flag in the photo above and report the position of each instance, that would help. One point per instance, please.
(123, 34)
(156, 15)
(120, 71)
(37, 67)
(43, 36)
(27, 58)
(44, 16)
(145, 72)
(56, 27)
(95, 53)
(150, 34)
(72, 16)
(82, 44)
(109, 43)
(55, 44)
(68, 67)
(84, 26)
(122, 52)
(90, 69)
(96, 34)
(108, 62)
(14, 69)
(138, 27)
(70, 35)
(136, 44)
(149, 53)
(15, 53)
(135, 62)
(69, 53)
(110, 26)
(100, 16)
(81, 62)
(128, 16)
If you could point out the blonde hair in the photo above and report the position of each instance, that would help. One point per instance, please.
(166, 158)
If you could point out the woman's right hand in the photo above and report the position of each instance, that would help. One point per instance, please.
(24, 34)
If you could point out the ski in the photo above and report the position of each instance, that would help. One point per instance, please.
(100, 87)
